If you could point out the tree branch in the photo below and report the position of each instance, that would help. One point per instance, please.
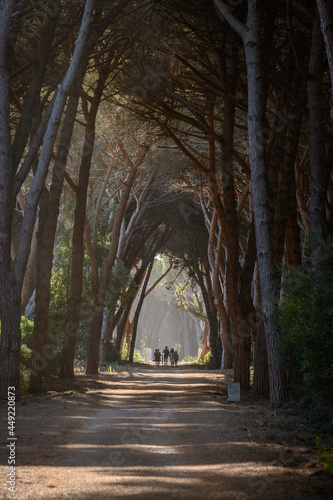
(224, 12)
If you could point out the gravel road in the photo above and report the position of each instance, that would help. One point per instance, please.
(155, 434)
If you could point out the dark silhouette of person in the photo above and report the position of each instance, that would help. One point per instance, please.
(157, 357)
(166, 355)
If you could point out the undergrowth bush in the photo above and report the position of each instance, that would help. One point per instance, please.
(325, 455)
(190, 359)
(305, 345)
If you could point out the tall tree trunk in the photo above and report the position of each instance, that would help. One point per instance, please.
(29, 285)
(251, 34)
(105, 341)
(318, 186)
(227, 358)
(101, 289)
(211, 312)
(121, 329)
(66, 369)
(256, 121)
(260, 364)
(48, 221)
(285, 209)
(138, 310)
(32, 97)
(248, 323)
(325, 9)
(10, 289)
(99, 300)
(260, 361)
(204, 344)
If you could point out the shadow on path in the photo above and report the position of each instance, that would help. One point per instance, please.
(156, 434)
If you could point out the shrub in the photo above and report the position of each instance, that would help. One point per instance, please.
(306, 326)
(305, 345)
(190, 359)
(112, 354)
(325, 455)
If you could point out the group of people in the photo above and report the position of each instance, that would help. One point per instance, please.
(165, 355)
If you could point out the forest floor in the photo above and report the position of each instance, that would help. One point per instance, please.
(159, 433)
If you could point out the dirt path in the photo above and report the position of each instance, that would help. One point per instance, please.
(159, 434)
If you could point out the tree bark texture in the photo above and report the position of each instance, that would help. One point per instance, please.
(99, 300)
(32, 97)
(211, 313)
(10, 362)
(105, 340)
(325, 9)
(66, 368)
(48, 220)
(64, 89)
(317, 214)
(256, 120)
(10, 289)
(138, 310)
(285, 206)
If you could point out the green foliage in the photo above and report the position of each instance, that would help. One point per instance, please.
(112, 353)
(208, 359)
(305, 344)
(190, 359)
(136, 356)
(282, 424)
(27, 327)
(121, 287)
(125, 351)
(177, 347)
(306, 326)
(60, 291)
(316, 414)
(104, 229)
(325, 455)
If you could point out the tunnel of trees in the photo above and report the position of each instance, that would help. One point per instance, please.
(163, 151)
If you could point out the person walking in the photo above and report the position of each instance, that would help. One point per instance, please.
(176, 357)
(166, 355)
(172, 356)
(157, 357)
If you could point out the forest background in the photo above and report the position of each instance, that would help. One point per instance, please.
(194, 135)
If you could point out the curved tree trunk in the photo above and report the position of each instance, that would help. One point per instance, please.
(122, 328)
(110, 328)
(48, 220)
(138, 310)
(204, 344)
(211, 313)
(99, 300)
(74, 302)
(14, 289)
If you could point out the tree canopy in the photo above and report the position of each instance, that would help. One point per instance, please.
(200, 131)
